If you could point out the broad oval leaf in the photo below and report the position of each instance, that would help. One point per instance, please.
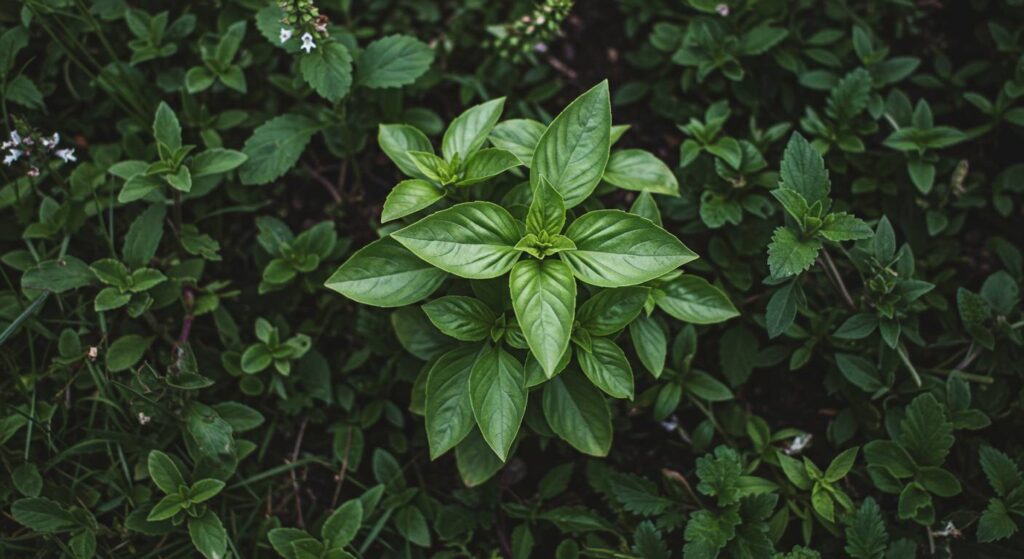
(615, 248)
(518, 135)
(487, 164)
(463, 318)
(573, 151)
(408, 197)
(692, 299)
(468, 131)
(396, 140)
(610, 310)
(473, 240)
(497, 390)
(385, 274)
(640, 170)
(448, 411)
(578, 413)
(607, 367)
(544, 299)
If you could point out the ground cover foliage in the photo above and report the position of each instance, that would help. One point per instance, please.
(464, 279)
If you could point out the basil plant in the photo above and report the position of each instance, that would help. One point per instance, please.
(538, 281)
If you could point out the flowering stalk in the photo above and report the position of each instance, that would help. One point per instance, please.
(302, 16)
(27, 145)
(531, 32)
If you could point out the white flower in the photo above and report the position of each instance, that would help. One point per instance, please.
(286, 33)
(11, 157)
(33, 171)
(67, 154)
(50, 143)
(144, 419)
(307, 43)
(93, 353)
(798, 444)
(722, 9)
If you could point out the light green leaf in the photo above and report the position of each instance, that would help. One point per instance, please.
(614, 249)
(473, 240)
(610, 310)
(447, 409)
(409, 197)
(164, 472)
(573, 151)
(487, 164)
(463, 318)
(607, 367)
(166, 128)
(692, 299)
(640, 170)
(578, 413)
(342, 525)
(208, 535)
(497, 390)
(396, 140)
(544, 299)
(216, 161)
(518, 135)
(385, 274)
(468, 131)
(547, 210)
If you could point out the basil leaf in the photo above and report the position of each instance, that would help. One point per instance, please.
(578, 413)
(487, 164)
(518, 135)
(497, 390)
(396, 140)
(448, 414)
(640, 170)
(473, 240)
(607, 367)
(692, 299)
(544, 299)
(468, 131)
(614, 248)
(409, 197)
(573, 151)
(547, 210)
(385, 274)
(610, 310)
(463, 318)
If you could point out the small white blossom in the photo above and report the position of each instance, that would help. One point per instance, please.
(286, 33)
(722, 9)
(67, 154)
(670, 425)
(144, 419)
(11, 157)
(320, 26)
(50, 143)
(15, 138)
(798, 444)
(93, 353)
(307, 43)
(33, 171)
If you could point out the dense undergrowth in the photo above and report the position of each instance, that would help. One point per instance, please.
(613, 279)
